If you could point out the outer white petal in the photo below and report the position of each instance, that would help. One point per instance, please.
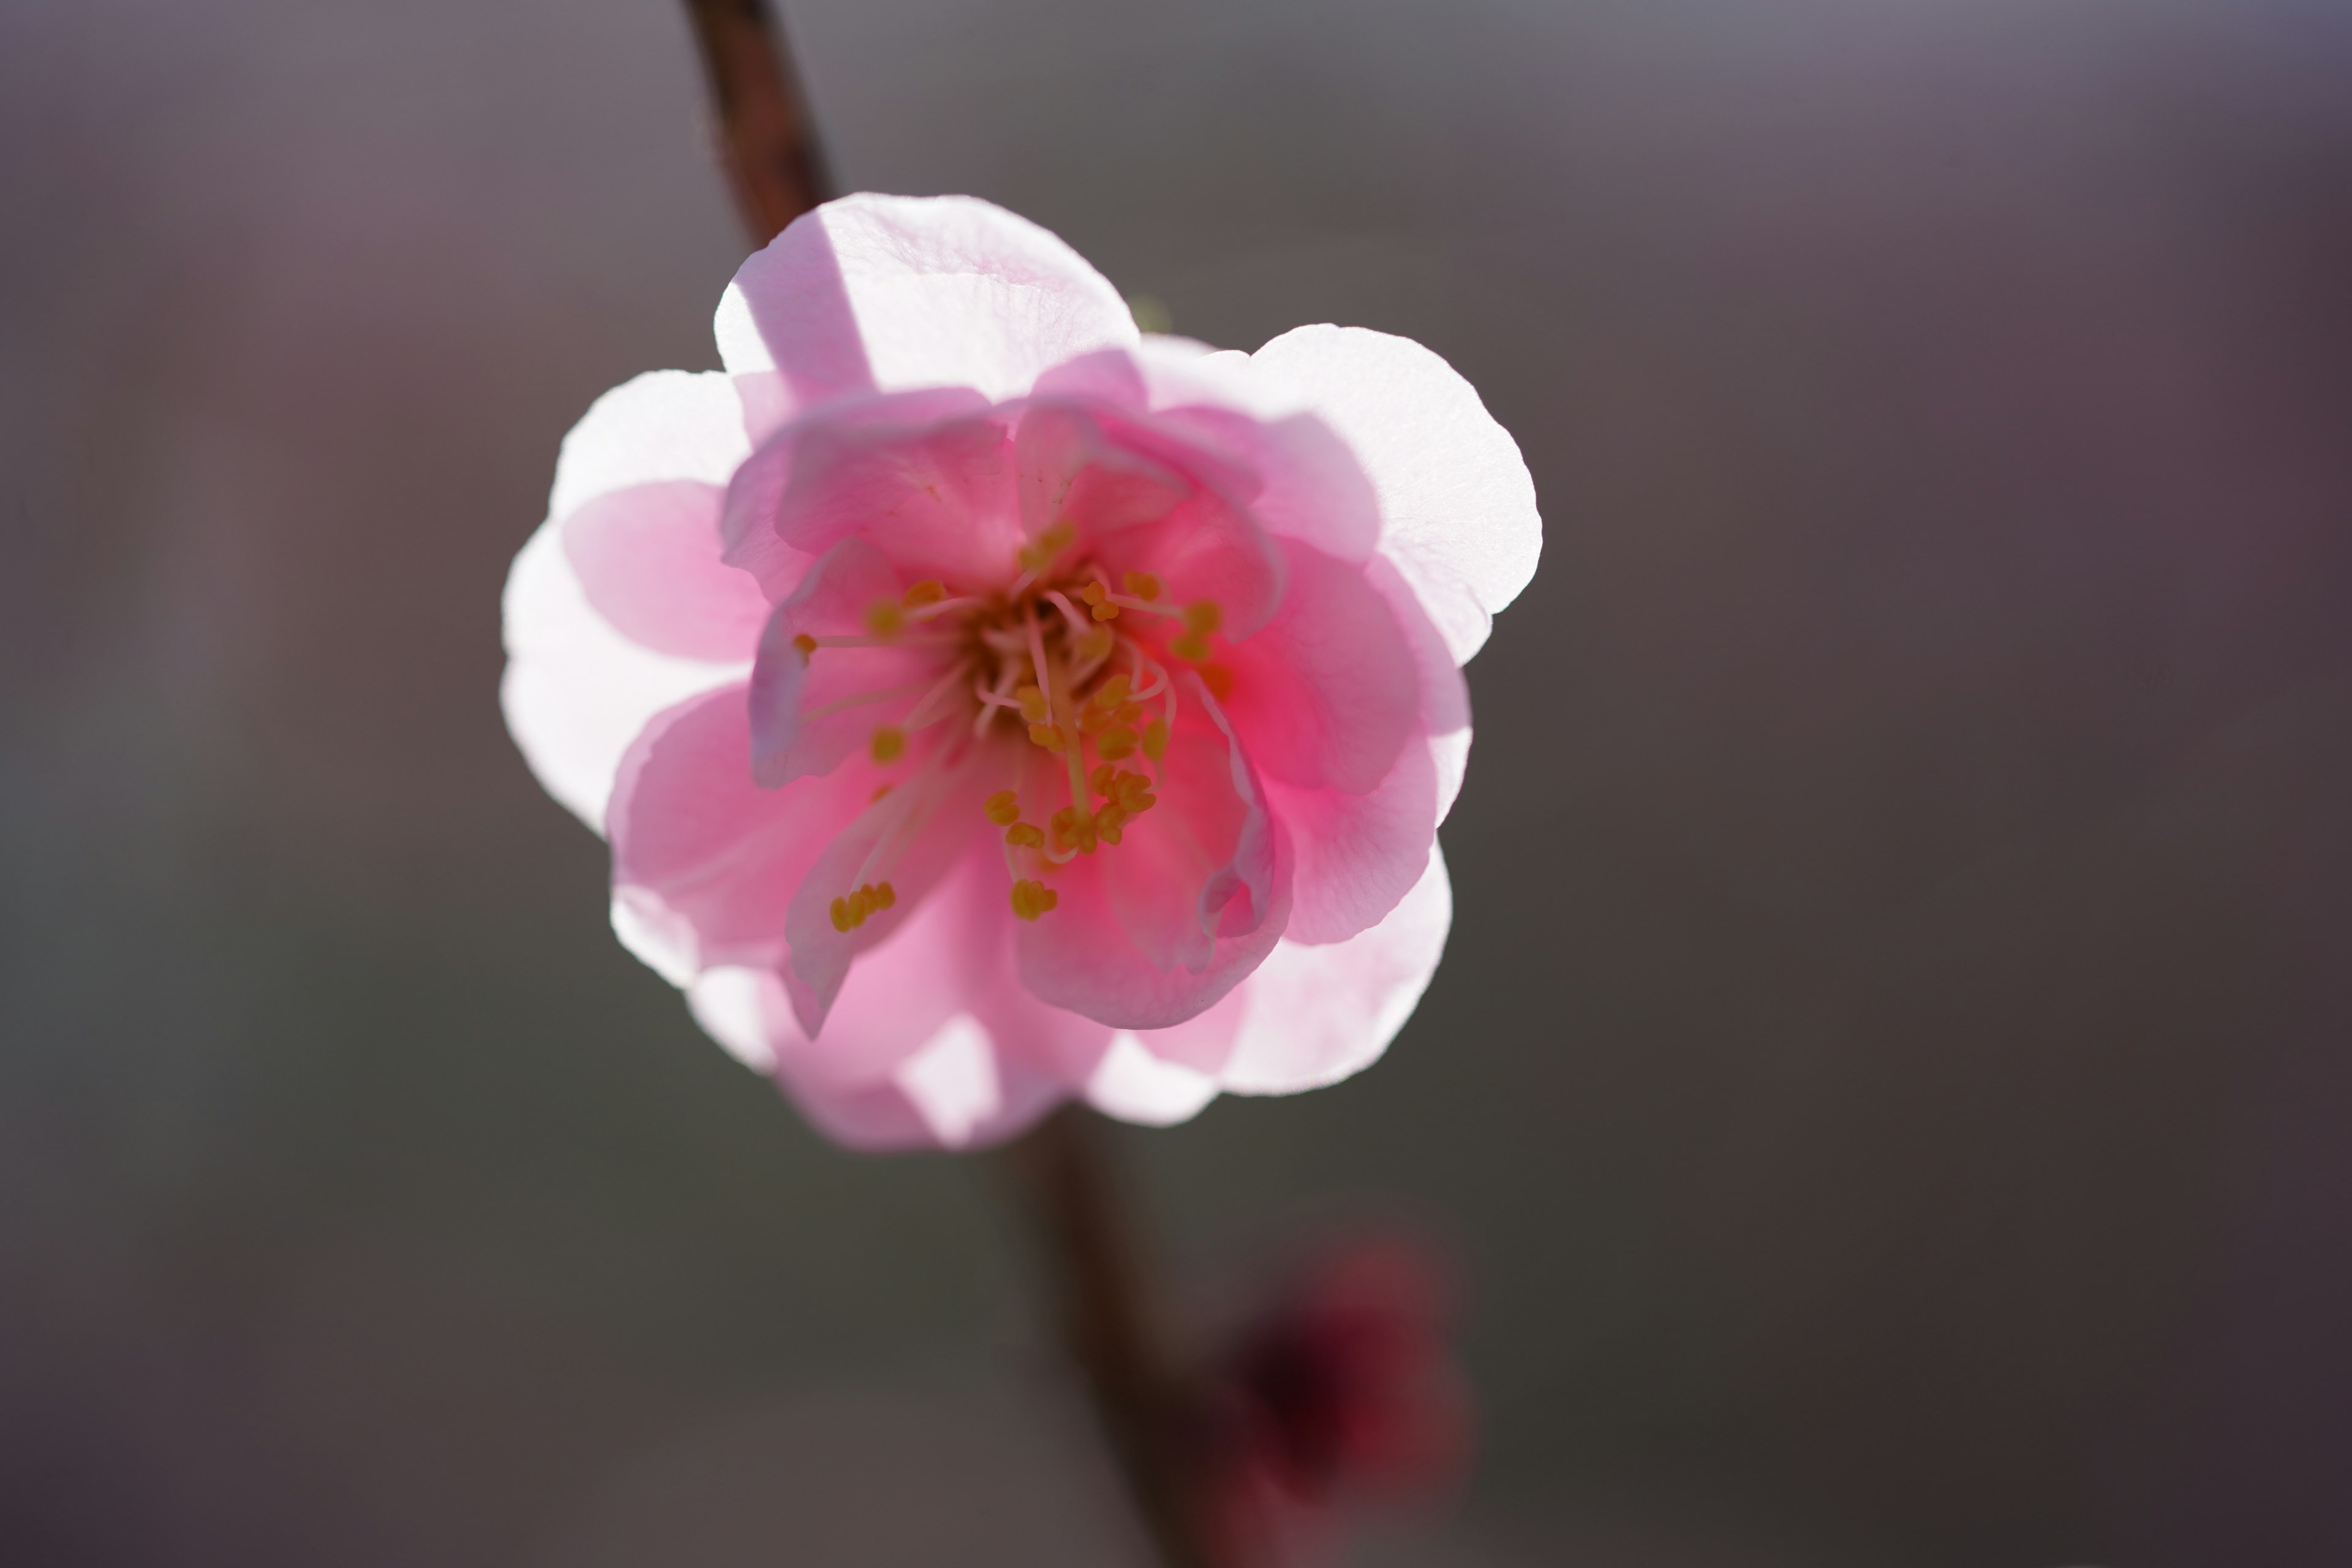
(1313, 1016)
(1134, 1085)
(896, 293)
(1458, 508)
(576, 692)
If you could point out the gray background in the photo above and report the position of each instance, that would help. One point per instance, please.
(1889, 1088)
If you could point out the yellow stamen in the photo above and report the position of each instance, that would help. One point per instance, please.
(1031, 899)
(1111, 693)
(1025, 836)
(930, 591)
(1095, 646)
(1004, 808)
(1155, 739)
(1203, 616)
(1192, 646)
(884, 618)
(1033, 707)
(890, 741)
(1116, 743)
(1073, 829)
(1048, 736)
(1142, 584)
(807, 645)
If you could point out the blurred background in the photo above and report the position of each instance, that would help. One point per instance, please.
(1889, 1086)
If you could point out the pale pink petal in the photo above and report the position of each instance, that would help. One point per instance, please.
(1313, 1016)
(922, 475)
(875, 292)
(704, 861)
(1301, 480)
(1444, 695)
(1354, 856)
(1327, 693)
(910, 837)
(1154, 930)
(904, 1062)
(810, 709)
(648, 561)
(1458, 509)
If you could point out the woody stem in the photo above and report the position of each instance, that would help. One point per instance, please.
(1063, 1172)
(764, 134)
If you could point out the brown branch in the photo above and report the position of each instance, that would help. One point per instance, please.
(1141, 1398)
(765, 139)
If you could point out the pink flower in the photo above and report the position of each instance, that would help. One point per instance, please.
(987, 704)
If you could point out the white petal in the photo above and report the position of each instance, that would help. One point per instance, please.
(576, 691)
(1313, 1016)
(890, 293)
(1458, 509)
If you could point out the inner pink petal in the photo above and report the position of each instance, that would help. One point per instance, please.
(813, 706)
(1327, 694)
(922, 475)
(706, 859)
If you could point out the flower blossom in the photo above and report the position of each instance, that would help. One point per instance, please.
(988, 704)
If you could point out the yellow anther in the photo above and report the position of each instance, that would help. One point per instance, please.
(1094, 594)
(1032, 704)
(1105, 611)
(1061, 536)
(1203, 616)
(1049, 737)
(1091, 719)
(1111, 822)
(1155, 739)
(1031, 899)
(890, 741)
(1004, 808)
(930, 591)
(1141, 585)
(884, 618)
(885, 895)
(1025, 836)
(1111, 693)
(840, 911)
(807, 645)
(1218, 679)
(1129, 713)
(1073, 829)
(1117, 742)
(1094, 644)
(1192, 645)
(1104, 779)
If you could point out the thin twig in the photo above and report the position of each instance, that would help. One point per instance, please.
(765, 139)
(1066, 1173)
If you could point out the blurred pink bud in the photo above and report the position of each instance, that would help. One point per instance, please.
(1344, 1393)
(989, 705)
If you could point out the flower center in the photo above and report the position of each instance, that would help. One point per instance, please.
(1063, 661)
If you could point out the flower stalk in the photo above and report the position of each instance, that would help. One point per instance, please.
(1061, 1167)
(764, 137)
(1111, 1328)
